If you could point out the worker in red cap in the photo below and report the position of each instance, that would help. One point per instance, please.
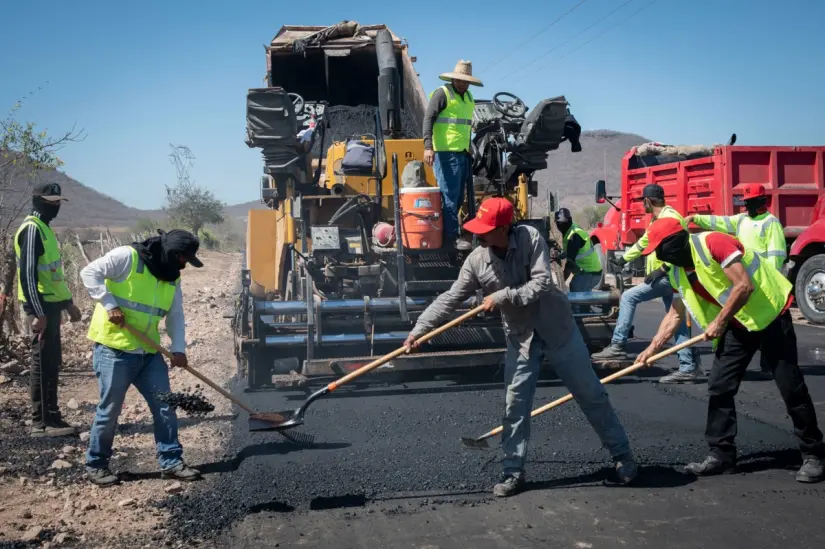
(757, 229)
(512, 267)
(741, 301)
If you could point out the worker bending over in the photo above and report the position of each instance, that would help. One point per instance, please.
(138, 284)
(511, 265)
(757, 230)
(655, 285)
(582, 260)
(740, 301)
(447, 131)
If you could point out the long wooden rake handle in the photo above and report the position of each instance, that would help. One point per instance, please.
(608, 379)
(143, 337)
(398, 352)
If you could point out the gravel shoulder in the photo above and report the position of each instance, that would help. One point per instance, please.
(43, 495)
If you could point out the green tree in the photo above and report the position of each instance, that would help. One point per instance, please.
(188, 204)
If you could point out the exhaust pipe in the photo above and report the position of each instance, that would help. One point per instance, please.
(389, 84)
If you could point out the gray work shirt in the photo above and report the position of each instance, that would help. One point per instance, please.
(521, 286)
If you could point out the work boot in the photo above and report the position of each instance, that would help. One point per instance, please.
(181, 472)
(625, 470)
(614, 351)
(42, 431)
(681, 377)
(101, 477)
(711, 466)
(811, 470)
(509, 486)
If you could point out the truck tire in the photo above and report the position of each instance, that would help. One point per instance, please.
(811, 276)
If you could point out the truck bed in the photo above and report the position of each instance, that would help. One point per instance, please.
(794, 177)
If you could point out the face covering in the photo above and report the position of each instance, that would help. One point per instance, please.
(162, 262)
(756, 206)
(564, 227)
(675, 249)
(46, 209)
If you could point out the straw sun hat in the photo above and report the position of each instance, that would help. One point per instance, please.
(463, 71)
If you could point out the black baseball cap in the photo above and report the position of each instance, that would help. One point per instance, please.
(184, 244)
(49, 191)
(653, 191)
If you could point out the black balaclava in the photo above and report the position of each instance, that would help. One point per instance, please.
(757, 206)
(161, 254)
(46, 209)
(564, 220)
(675, 249)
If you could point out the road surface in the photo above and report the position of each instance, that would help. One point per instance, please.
(387, 470)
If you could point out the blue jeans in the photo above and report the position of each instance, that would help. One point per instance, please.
(572, 364)
(115, 372)
(688, 358)
(452, 170)
(584, 282)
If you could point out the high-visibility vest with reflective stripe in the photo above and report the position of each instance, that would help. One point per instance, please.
(454, 125)
(763, 234)
(587, 259)
(770, 288)
(651, 262)
(51, 283)
(143, 299)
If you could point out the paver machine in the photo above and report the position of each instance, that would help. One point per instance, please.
(344, 252)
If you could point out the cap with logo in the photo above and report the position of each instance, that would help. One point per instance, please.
(753, 190)
(492, 214)
(48, 191)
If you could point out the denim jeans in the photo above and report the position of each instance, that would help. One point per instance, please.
(452, 170)
(688, 358)
(115, 372)
(584, 282)
(572, 365)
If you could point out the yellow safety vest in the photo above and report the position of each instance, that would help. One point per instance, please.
(51, 283)
(763, 234)
(453, 127)
(143, 299)
(587, 259)
(771, 289)
(651, 262)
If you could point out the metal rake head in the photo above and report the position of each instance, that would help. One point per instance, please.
(475, 443)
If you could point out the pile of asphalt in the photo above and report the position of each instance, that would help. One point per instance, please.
(346, 122)
(391, 442)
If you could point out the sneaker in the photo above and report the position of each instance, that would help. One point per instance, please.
(101, 477)
(181, 472)
(50, 431)
(681, 377)
(811, 470)
(711, 466)
(625, 471)
(509, 486)
(614, 351)
(462, 245)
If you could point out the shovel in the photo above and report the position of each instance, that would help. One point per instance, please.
(265, 421)
(293, 418)
(481, 442)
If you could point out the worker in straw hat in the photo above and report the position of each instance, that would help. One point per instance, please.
(447, 131)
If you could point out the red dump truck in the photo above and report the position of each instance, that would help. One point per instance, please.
(708, 180)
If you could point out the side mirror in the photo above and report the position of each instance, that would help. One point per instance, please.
(601, 191)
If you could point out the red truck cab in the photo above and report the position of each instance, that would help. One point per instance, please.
(707, 180)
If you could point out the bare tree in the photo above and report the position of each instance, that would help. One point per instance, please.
(25, 154)
(188, 204)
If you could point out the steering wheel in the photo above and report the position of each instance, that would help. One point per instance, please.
(297, 102)
(513, 109)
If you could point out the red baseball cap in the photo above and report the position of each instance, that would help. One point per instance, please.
(753, 190)
(659, 230)
(492, 214)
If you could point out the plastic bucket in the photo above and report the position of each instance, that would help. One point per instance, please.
(422, 226)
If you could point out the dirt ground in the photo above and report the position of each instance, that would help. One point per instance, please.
(44, 498)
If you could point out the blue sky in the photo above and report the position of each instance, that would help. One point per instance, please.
(137, 76)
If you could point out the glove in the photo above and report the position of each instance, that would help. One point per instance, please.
(653, 277)
(619, 263)
(557, 255)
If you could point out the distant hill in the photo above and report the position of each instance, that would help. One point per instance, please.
(572, 175)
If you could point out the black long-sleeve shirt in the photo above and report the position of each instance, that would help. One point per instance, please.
(438, 102)
(31, 248)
